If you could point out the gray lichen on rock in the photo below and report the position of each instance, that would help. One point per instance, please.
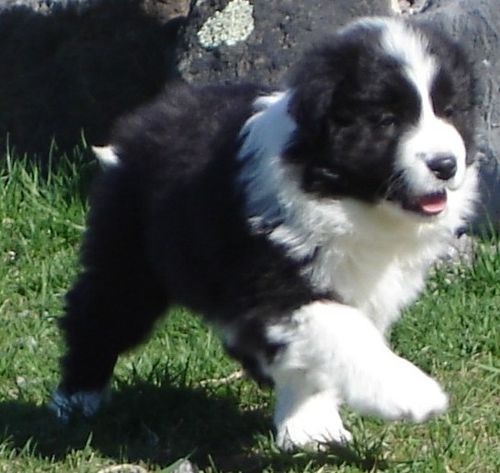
(229, 26)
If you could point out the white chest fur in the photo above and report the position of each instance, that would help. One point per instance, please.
(377, 276)
(374, 258)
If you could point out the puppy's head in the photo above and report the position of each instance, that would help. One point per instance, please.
(385, 114)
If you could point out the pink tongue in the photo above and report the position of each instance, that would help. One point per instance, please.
(433, 204)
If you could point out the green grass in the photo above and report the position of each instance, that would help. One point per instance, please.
(162, 410)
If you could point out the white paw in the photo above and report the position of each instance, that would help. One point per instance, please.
(408, 393)
(313, 425)
(294, 434)
(86, 403)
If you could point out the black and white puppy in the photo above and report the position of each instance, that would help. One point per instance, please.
(299, 222)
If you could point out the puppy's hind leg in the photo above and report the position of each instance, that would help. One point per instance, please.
(113, 304)
(105, 316)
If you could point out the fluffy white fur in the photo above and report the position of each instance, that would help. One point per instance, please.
(337, 355)
(106, 155)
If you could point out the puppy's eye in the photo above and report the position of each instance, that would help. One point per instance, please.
(384, 120)
(448, 111)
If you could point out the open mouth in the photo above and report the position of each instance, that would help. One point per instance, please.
(428, 204)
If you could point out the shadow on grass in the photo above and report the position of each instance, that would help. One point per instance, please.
(143, 422)
(162, 424)
(301, 461)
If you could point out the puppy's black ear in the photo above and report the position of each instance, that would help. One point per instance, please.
(315, 83)
(310, 106)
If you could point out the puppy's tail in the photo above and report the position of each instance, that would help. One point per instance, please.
(106, 156)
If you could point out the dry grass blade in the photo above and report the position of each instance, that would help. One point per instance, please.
(125, 468)
(239, 374)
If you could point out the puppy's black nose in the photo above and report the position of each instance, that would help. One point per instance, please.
(444, 166)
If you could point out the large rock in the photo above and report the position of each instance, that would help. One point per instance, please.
(161, 9)
(165, 10)
(40, 6)
(257, 40)
(477, 25)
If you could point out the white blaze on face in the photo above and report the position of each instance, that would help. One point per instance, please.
(432, 136)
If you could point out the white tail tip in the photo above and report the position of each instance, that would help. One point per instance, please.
(106, 156)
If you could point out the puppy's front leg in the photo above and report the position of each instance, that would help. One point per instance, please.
(334, 353)
(306, 414)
